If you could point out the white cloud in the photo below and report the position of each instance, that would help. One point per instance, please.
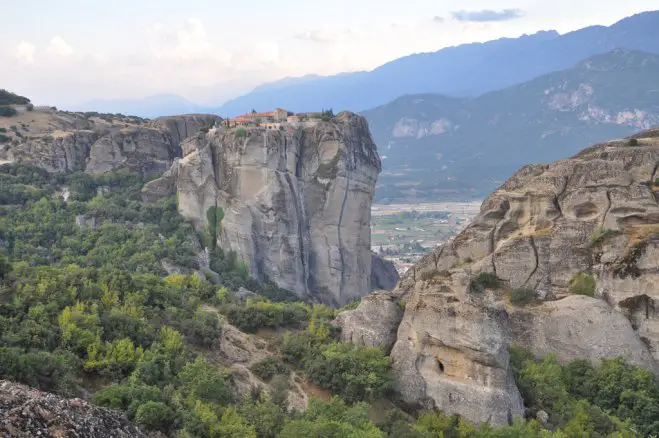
(324, 35)
(24, 52)
(185, 42)
(59, 47)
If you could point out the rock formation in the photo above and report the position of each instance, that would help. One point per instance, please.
(27, 412)
(296, 201)
(373, 323)
(594, 219)
(384, 275)
(98, 143)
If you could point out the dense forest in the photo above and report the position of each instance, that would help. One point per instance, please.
(87, 308)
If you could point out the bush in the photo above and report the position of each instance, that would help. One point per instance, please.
(269, 367)
(8, 98)
(241, 132)
(522, 296)
(155, 416)
(633, 142)
(352, 372)
(485, 280)
(4, 138)
(7, 111)
(583, 284)
(601, 235)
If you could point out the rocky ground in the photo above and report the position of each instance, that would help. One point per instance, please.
(62, 141)
(26, 413)
(592, 220)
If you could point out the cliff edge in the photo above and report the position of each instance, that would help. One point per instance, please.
(562, 259)
(296, 201)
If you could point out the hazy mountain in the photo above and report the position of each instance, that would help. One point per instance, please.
(462, 71)
(150, 106)
(441, 146)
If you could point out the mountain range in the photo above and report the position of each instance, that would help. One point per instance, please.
(466, 70)
(461, 71)
(437, 146)
(440, 119)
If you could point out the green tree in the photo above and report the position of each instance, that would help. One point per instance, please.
(155, 416)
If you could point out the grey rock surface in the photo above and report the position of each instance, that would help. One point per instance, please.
(373, 323)
(63, 142)
(296, 202)
(87, 222)
(384, 275)
(594, 214)
(578, 327)
(27, 412)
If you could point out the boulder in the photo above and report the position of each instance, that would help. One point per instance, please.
(384, 275)
(373, 323)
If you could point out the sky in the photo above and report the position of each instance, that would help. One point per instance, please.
(66, 52)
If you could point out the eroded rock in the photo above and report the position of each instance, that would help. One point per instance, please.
(594, 214)
(374, 322)
(296, 202)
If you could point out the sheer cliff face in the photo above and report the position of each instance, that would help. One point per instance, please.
(595, 214)
(297, 202)
(64, 142)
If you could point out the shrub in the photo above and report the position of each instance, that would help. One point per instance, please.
(30, 107)
(484, 280)
(9, 98)
(583, 284)
(522, 296)
(241, 132)
(155, 416)
(7, 111)
(601, 235)
(633, 142)
(4, 138)
(352, 372)
(269, 367)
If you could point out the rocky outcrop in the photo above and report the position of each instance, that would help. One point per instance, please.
(185, 126)
(296, 201)
(140, 149)
(27, 412)
(66, 142)
(578, 327)
(373, 323)
(451, 353)
(384, 275)
(595, 217)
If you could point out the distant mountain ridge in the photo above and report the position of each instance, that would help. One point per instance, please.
(437, 146)
(150, 107)
(461, 71)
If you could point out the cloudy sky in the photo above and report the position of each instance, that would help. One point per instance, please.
(69, 51)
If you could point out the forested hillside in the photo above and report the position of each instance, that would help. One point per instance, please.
(88, 309)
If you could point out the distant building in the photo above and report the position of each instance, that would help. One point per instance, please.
(279, 115)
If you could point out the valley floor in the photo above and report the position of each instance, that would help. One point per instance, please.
(402, 233)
